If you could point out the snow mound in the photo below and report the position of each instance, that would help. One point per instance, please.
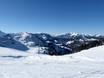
(93, 54)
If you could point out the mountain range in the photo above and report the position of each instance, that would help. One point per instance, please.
(50, 44)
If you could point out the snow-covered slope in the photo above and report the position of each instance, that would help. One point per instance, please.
(85, 64)
(96, 54)
(7, 52)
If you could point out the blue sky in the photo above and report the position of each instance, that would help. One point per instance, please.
(52, 16)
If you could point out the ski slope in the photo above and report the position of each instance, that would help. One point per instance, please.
(85, 64)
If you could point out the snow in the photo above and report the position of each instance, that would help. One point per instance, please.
(24, 35)
(69, 42)
(11, 52)
(91, 39)
(44, 37)
(73, 34)
(34, 50)
(85, 64)
(96, 54)
(29, 43)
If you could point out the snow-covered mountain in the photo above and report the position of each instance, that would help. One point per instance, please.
(48, 44)
(8, 41)
(2, 34)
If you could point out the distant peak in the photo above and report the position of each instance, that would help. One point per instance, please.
(2, 33)
(74, 34)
